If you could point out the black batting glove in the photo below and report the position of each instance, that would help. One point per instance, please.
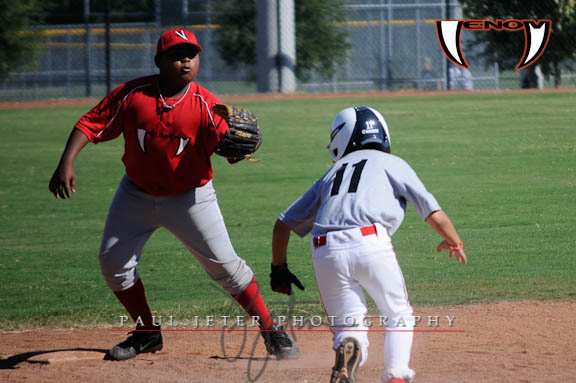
(281, 280)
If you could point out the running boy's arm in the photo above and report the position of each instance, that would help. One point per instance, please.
(299, 218)
(440, 222)
(63, 181)
(280, 239)
(281, 279)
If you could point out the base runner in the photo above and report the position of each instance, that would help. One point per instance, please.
(352, 212)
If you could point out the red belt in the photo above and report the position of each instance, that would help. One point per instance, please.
(321, 241)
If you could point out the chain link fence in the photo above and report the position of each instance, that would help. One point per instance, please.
(393, 46)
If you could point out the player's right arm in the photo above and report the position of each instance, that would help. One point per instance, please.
(63, 181)
(103, 122)
(298, 217)
(280, 240)
(281, 278)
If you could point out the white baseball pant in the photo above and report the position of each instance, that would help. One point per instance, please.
(349, 262)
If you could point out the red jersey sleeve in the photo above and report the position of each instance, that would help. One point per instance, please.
(217, 126)
(104, 121)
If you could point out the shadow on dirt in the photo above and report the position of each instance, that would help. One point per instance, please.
(14, 361)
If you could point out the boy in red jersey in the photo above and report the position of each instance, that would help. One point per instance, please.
(170, 132)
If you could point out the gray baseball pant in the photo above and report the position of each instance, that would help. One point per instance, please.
(194, 217)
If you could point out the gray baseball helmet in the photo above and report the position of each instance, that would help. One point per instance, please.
(358, 128)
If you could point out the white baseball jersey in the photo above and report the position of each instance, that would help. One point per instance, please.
(363, 188)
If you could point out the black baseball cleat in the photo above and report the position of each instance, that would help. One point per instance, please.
(137, 343)
(348, 357)
(279, 344)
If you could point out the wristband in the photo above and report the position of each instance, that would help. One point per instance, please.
(456, 248)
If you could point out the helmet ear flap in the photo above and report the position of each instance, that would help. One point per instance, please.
(340, 132)
(386, 146)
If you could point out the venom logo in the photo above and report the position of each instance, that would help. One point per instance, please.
(537, 33)
(183, 142)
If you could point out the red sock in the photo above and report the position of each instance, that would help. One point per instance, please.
(254, 305)
(134, 301)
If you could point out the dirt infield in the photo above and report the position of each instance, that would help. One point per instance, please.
(501, 342)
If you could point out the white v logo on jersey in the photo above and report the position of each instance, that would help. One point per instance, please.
(181, 34)
(182, 143)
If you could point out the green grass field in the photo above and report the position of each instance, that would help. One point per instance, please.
(501, 165)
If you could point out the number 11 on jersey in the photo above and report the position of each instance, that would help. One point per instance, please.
(353, 187)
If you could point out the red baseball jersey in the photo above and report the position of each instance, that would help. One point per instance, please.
(166, 151)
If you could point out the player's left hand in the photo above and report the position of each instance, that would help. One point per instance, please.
(243, 136)
(281, 279)
(457, 251)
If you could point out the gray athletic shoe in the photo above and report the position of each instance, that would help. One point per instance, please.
(348, 357)
(279, 344)
(137, 343)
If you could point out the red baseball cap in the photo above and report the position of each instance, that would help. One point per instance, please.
(175, 37)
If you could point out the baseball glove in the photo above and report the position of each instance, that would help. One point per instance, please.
(243, 136)
(281, 279)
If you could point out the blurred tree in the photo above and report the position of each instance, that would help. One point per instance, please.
(18, 41)
(320, 44)
(17, 48)
(507, 48)
(72, 11)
